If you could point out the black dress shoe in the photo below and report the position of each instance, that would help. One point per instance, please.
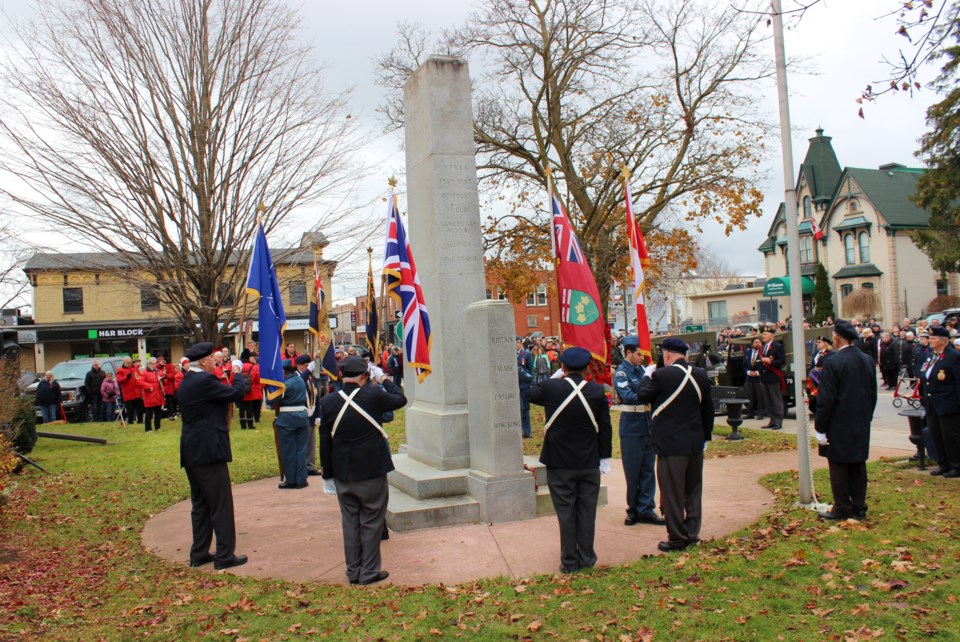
(236, 560)
(860, 516)
(668, 547)
(939, 471)
(953, 474)
(630, 520)
(206, 559)
(313, 473)
(767, 427)
(830, 516)
(379, 577)
(651, 518)
(775, 427)
(287, 486)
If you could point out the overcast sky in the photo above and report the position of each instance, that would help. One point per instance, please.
(843, 40)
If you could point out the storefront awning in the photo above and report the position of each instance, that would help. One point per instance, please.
(780, 286)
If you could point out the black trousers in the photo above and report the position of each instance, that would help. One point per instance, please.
(247, 414)
(170, 402)
(889, 376)
(945, 431)
(754, 392)
(152, 414)
(849, 485)
(680, 478)
(773, 402)
(134, 411)
(212, 511)
(363, 513)
(575, 494)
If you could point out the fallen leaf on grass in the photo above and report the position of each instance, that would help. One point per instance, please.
(535, 625)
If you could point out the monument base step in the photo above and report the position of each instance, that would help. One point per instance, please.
(423, 481)
(406, 513)
(545, 504)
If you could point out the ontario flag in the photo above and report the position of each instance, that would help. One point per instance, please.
(817, 232)
(639, 259)
(581, 321)
(262, 283)
(403, 284)
(320, 324)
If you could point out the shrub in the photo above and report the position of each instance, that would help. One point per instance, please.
(943, 302)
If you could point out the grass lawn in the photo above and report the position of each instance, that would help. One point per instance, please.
(72, 568)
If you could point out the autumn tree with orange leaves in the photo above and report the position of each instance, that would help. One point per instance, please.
(585, 86)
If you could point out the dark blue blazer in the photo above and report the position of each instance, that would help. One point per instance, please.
(942, 388)
(681, 428)
(846, 399)
(572, 442)
(203, 402)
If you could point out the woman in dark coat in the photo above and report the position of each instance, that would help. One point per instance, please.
(49, 397)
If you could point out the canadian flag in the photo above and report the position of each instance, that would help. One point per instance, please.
(817, 232)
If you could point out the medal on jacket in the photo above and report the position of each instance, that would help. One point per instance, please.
(942, 375)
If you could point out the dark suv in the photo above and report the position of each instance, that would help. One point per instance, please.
(71, 375)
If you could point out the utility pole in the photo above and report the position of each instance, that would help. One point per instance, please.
(793, 260)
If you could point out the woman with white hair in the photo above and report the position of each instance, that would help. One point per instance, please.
(49, 397)
(150, 381)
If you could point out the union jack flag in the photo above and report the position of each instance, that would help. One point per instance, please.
(403, 284)
(566, 241)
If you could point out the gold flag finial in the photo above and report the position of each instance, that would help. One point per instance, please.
(392, 182)
(370, 251)
(624, 171)
(261, 208)
(548, 169)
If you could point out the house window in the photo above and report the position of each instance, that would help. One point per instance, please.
(942, 287)
(489, 294)
(149, 299)
(531, 320)
(849, 249)
(806, 249)
(501, 294)
(531, 299)
(807, 208)
(225, 295)
(298, 293)
(542, 294)
(867, 286)
(864, 247)
(845, 290)
(717, 310)
(73, 300)
(853, 205)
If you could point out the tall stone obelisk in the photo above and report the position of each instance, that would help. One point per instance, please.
(445, 236)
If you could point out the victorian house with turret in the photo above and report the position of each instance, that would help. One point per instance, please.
(865, 216)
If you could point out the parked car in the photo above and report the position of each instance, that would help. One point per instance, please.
(71, 375)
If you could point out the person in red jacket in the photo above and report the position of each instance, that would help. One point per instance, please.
(253, 398)
(128, 377)
(181, 370)
(168, 373)
(153, 398)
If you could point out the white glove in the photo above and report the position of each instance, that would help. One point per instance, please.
(558, 374)
(821, 438)
(376, 373)
(649, 369)
(705, 444)
(316, 422)
(330, 486)
(604, 466)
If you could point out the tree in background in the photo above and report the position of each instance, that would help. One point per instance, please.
(154, 130)
(938, 189)
(585, 86)
(822, 296)
(861, 303)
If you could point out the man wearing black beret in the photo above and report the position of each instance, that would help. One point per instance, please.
(846, 399)
(354, 451)
(577, 445)
(204, 453)
(682, 425)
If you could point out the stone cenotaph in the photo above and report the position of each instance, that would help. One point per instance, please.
(463, 460)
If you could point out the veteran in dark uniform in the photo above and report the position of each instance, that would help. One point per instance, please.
(204, 453)
(576, 448)
(355, 452)
(940, 381)
(639, 460)
(772, 382)
(303, 369)
(682, 424)
(847, 397)
(292, 425)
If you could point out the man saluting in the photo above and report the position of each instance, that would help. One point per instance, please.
(576, 447)
(204, 453)
(682, 424)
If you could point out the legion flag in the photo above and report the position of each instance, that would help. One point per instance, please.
(262, 283)
(403, 284)
(581, 320)
(639, 259)
(320, 324)
(373, 319)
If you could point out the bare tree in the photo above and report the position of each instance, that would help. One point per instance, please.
(155, 130)
(587, 86)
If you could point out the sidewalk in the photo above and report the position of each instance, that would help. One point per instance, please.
(295, 535)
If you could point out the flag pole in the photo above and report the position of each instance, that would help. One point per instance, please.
(548, 170)
(392, 182)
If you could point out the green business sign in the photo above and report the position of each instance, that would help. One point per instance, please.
(692, 328)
